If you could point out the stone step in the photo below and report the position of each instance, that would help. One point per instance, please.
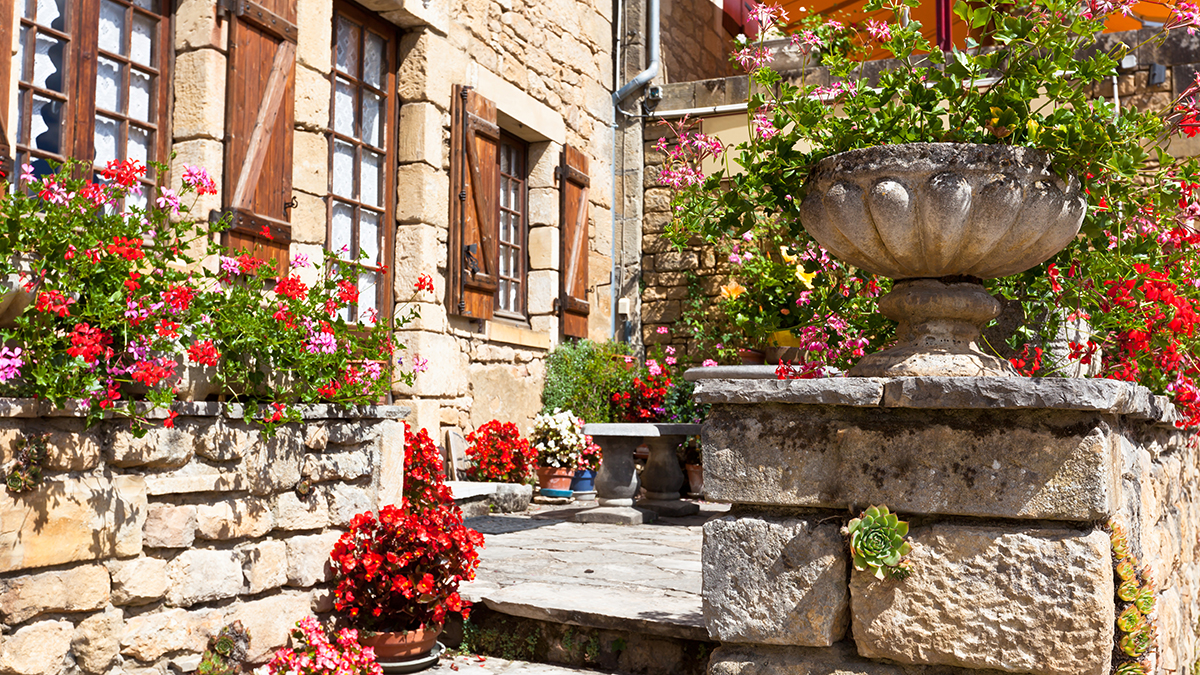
(471, 664)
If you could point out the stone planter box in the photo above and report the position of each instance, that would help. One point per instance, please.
(134, 551)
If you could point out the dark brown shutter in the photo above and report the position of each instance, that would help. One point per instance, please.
(573, 199)
(474, 204)
(259, 115)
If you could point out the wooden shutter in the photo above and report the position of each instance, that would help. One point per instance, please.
(474, 205)
(573, 200)
(6, 70)
(259, 115)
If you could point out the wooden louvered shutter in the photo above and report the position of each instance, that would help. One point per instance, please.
(259, 114)
(474, 205)
(573, 200)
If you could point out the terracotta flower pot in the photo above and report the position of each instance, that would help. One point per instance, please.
(412, 644)
(751, 357)
(695, 476)
(554, 478)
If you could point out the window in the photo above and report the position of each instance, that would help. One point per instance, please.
(510, 297)
(362, 111)
(91, 82)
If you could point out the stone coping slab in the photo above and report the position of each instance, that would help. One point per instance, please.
(639, 430)
(947, 393)
(29, 407)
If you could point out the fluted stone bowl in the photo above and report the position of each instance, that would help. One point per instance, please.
(930, 210)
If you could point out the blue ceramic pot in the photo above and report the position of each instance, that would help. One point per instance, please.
(584, 481)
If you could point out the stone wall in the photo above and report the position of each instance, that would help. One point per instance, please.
(1008, 484)
(695, 44)
(134, 551)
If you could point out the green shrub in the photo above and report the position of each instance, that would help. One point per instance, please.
(582, 377)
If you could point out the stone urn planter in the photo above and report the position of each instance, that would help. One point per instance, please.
(939, 218)
(617, 482)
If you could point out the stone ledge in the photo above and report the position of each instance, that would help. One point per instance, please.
(840, 659)
(944, 393)
(26, 407)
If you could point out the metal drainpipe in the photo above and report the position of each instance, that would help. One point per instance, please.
(618, 97)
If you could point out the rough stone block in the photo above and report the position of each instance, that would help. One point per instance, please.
(1054, 464)
(96, 643)
(79, 589)
(199, 81)
(293, 512)
(352, 433)
(450, 379)
(234, 519)
(148, 636)
(160, 448)
(221, 441)
(1026, 601)
(420, 135)
(195, 478)
(422, 195)
(544, 249)
(427, 64)
(169, 526)
(66, 450)
(274, 463)
(270, 620)
(504, 391)
(265, 565)
(840, 659)
(37, 649)
(771, 580)
(138, 581)
(72, 519)
(203, 152)
(347, 501)
(202, 575)
(310, 162)
(196, 26)
(344, 466)
(308, 558)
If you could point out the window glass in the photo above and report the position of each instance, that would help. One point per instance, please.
(510, 296)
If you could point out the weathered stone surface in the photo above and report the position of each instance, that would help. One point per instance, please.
(389, 481)
(169, 526)
(149, 636)
(78, 589)
(1034, 601)
(346, 466)
(72, 519)
(1060, 393)
(234, 519)
(67, 449)
(308, 558)
(1006, 463)
(316, 437)
(840, 659)
(138, 581)
(160, 448)
(273, 465)
(37, 649)
(775, 580)
(221, 441)
(293, 512)
(193, 478)
(270, 620)
(351, 433)
(96, 643)
(265, 565)
(347, 501)
(203, 575)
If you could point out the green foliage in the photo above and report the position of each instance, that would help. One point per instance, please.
(582, 377)
(1136, 632)
(226, 651)
(877, 543)
(26, 471)
(501, 641)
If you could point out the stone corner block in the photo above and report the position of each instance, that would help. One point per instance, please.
(775, 580)
(1034, 601)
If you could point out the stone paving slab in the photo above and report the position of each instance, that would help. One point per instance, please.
(540, 565)
(491, 665)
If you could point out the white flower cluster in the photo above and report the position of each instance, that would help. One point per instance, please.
(558, 438)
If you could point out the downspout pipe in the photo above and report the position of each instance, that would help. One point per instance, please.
(618, 97)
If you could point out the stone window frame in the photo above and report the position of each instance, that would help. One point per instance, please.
(366, 20)
(77, 30)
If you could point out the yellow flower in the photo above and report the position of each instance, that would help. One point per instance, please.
(731, 290)
(805, 278)
(787, 255)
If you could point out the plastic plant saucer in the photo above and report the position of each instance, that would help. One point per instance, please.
(412, 665)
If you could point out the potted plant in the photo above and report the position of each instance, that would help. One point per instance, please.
(583, 484)
(498, 453)
(1021, 104)
(559, 440)
(693, 466)
(397, 572)
(317, 650)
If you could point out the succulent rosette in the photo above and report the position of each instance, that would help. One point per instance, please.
(877, 543)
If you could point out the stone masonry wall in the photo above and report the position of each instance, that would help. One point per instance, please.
(133, 552)
(1007, 483)
(695, 44)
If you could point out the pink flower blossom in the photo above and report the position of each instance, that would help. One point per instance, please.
(708, 363)
(662, 330)
(301, 260)
(420, 365)
(27, 173)
(879, 30)
(10, 363)
(198, 179)
(670, 350)
(653, 367)
(168, 199)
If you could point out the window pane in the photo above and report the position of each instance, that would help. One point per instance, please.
(502, 295)
(107, 139)
(343, 108)
(372, 116)
(504, 263)
(366, 295)
(139, 96)
(373, 61)
(372, 172)
(108, 85)
(141, 42)
(48, 63)
(514, 293)
(149, 5)
(347, 47)
(341, 229)
(134, 199)
(50, 13)
(343, 169)
(46, 125)
(138, 144)
(503, 184)
(112, 27)
(368, 237)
